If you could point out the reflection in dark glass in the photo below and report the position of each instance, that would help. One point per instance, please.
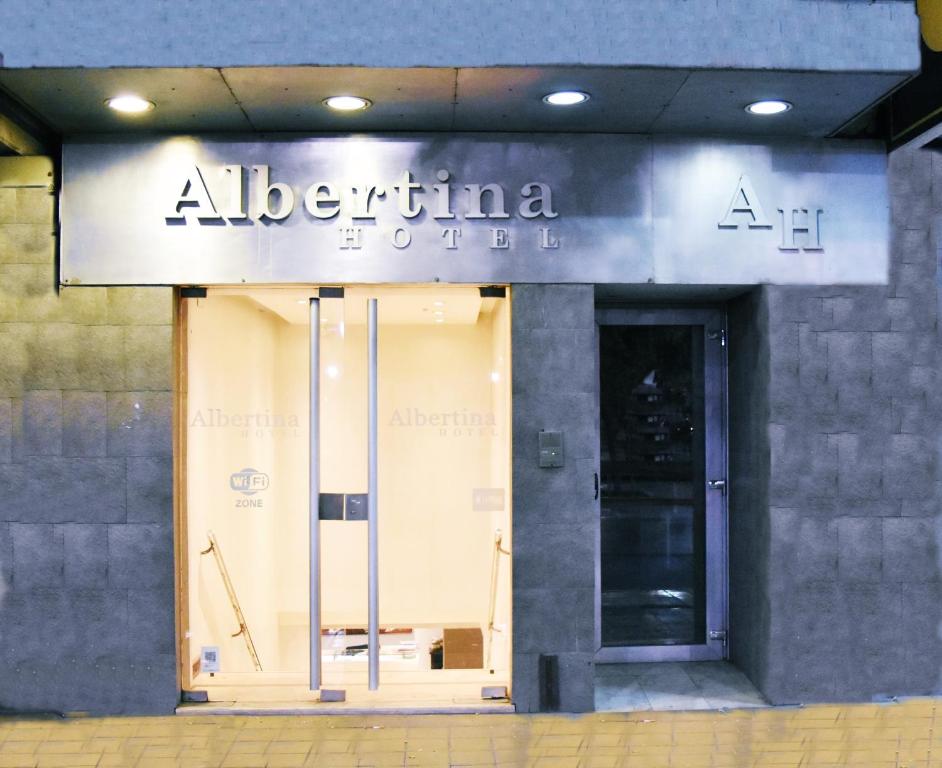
(653, 518)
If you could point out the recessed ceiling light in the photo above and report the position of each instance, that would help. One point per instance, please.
(566, 98)
(347, 103)
(130, 104)
(768, 107)
(438, 303)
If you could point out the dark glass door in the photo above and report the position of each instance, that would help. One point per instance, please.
(662, 524)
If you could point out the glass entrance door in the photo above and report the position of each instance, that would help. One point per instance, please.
(662, 591)
(374, 558)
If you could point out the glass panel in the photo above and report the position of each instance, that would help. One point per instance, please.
(343, 488)
(444, 491)
(246, 471)
(652, 491)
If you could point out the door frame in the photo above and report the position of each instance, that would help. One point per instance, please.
(716, 501)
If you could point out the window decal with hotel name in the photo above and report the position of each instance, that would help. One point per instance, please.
(324, 201)
(745, 208)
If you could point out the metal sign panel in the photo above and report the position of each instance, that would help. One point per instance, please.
(480, 208)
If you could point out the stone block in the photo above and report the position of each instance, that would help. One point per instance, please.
(892, 359)
(97, 621)
(790, 304)
(84, 423)
(911, 415)
(23, 283)
(35, 205)
(37, 556)
(912, 246)
(140, 556)
(783, 350)
(813, 361)
(54, 352)
(140, 306)
(550, 620)
(151, 622)
(803, 464)
(910, 550)
(860, 309)
(60, 490)
(13, 483)
(6, 560)
(6, 430)
(870, 615)
(554, 495)
(860, 549)
(920, 617)
(101, 366)
(42, 423)
(576, 682)
(148, 354)
(150, 686)
(909, 467)
(7, 205)
(27, 244)
(150, 489)
(13, 353)
(781, 540)
(525, 690)
(849, 358)
(816, 550)
(555, 555)
(554, 360)
(910, 315)
(86, 555)
(87, 305)
(526, 306)
(860, 467)
(33, 628)
(140, 423)
(563, 307)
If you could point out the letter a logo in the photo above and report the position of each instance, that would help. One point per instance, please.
(745, 202)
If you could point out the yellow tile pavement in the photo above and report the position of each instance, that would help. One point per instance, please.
(895, 735)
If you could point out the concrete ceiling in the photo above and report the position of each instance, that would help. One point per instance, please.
(268, 99)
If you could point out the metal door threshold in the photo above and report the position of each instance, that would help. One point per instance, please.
(346, 708)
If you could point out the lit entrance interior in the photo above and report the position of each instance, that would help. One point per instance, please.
(443, 500)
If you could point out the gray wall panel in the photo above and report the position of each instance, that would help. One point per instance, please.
(555, 517)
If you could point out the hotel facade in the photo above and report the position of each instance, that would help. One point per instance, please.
(564, 339)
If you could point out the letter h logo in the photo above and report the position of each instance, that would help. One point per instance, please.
(804, 221)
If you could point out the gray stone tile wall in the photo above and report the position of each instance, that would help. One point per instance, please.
(838, 596)
(555, 519)
(749, 457)
(86, 549)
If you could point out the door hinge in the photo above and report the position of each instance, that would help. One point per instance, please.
(718, 335)
(718, 634)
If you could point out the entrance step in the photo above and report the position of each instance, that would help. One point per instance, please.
(662, 686)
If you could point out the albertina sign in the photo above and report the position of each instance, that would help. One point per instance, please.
(326, 200)
(476, 208)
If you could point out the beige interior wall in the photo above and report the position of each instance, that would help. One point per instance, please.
(435, 549)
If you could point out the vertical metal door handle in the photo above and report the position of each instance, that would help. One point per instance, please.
(372, 506)
(314, 554)
(596, 484)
